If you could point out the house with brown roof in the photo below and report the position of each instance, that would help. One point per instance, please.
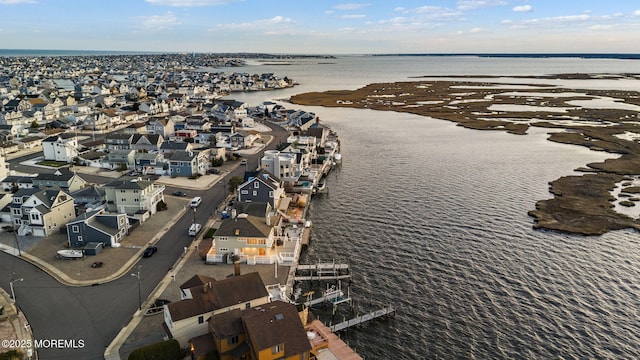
(271, 331)
(188, 318)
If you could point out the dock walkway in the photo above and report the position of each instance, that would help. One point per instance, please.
(363, 318)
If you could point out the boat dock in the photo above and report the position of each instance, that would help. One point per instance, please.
(322, 271)
(386, 311)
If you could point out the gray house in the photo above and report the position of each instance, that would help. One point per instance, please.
(261, 187)
(97, 227)
(62, 178)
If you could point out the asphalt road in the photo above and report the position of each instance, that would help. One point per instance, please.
(95, 314)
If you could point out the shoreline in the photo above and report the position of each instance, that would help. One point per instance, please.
(580, 204)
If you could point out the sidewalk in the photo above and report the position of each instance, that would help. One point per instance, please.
(15, 332)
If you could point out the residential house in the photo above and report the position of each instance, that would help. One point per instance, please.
(97, 226)
(283, 166)
(262, 187)
(41, 212)
(16, 182)
(188, 163)
(89, 198)
(187, 319)
(135, 128)
(169, 147)
(118, 141)
(29, 142)
(136, 197)
(162, 126)
(146, 142)
(8, 147)
(61, 178)
(150, 163)
(247, 236)
(61, 147)
(184, 135)
(121, 159)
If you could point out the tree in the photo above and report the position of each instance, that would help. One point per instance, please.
(34, 124)
(233, 183)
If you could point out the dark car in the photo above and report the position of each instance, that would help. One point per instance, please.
(148, 252)
(213, 171)
(179, 193)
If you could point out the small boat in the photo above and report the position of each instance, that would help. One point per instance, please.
(337, 158)
(70, 254)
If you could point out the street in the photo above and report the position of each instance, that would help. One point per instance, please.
(95, 314)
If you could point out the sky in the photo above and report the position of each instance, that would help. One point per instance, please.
(323, 26)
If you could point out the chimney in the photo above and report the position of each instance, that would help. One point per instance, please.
(205, 288)
(236, 265)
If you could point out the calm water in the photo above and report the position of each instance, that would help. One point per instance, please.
(433, 219)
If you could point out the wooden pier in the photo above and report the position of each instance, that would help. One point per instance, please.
(387, 311)
(322, 271)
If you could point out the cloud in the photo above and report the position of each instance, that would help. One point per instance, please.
(350, 6)
(353, 16)
(523, 8)
(466, 5)
(187, 3)
(157, 22)
(261, 24)
(14, 2)
(477, 30)
(636, 13)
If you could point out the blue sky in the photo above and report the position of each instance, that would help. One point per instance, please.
(322, 26)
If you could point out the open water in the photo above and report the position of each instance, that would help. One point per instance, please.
(433, 220)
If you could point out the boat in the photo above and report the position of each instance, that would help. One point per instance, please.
(337, 158)
(70, 254)
(320, 188)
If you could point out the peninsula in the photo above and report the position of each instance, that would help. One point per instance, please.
(602, 120)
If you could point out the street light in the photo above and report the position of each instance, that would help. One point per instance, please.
(11, 281)
(139, 291)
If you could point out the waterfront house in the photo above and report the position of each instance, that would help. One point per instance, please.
(61, 147)
(270, 331)
(98, 227)
(29, 142)
(283, 166)
(261, 186)
(188, 318)
(136, 197)
(61, 178)
(89, 198)
(41, 212)
(246, 236)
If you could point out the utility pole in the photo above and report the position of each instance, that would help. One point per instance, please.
(139, 285)
(11, 281)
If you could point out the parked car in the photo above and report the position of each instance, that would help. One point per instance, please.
(213, 171)
(243, 162)
(148, 252)
(179, 193)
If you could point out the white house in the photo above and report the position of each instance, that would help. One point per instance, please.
(62, 147)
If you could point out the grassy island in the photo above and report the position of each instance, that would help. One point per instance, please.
(602, 120)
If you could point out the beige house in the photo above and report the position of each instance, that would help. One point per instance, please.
(135, 197)
(41, 212)
(187, 318)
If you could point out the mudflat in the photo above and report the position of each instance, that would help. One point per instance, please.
(602, 120)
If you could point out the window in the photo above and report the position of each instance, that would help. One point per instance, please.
(270, 193)
(256, 184)
(247, 305)
(277, 349)
(79, 238)
(232, 340)
(244, 192)
(223, 238)
(75, 229)
(224, 250)
(200, 319)
(255, 193)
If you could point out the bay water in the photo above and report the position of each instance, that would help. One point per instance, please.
(433, 220)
